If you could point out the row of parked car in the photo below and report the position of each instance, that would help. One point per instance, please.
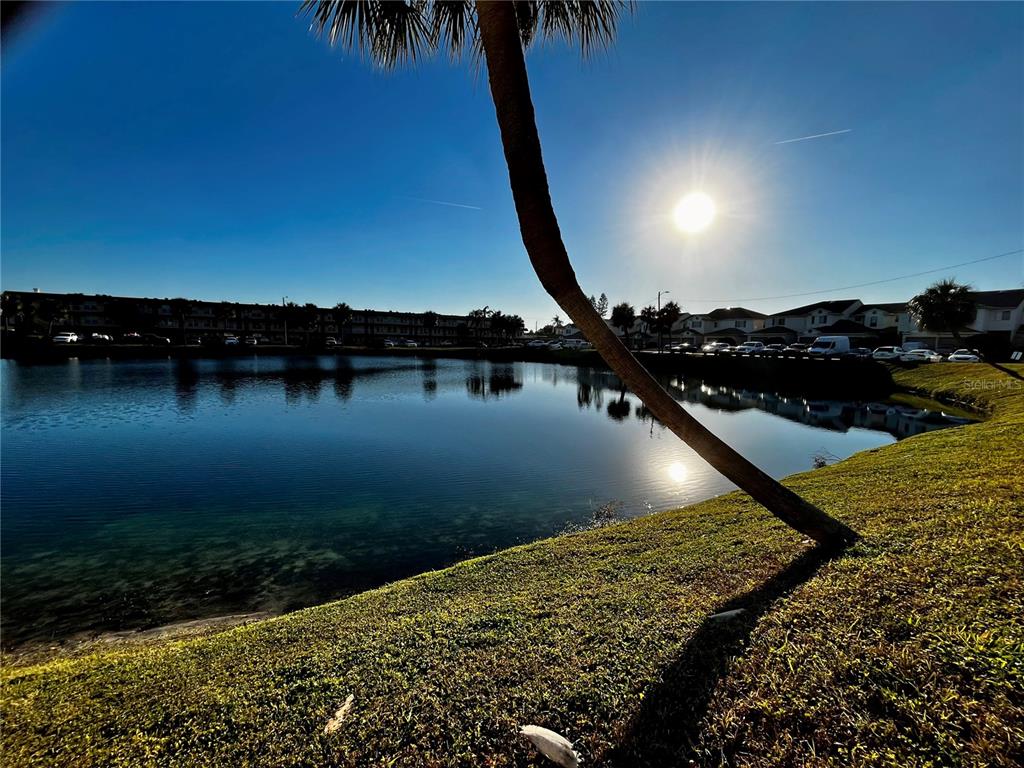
(69, 337)
(839, 346)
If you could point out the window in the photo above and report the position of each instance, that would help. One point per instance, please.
(1005, 315)
(874, 321)
(781, 321)
(741, 323)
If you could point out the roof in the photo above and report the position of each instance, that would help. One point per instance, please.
(893, 308)
(773, 329)
(1005, 299)
(724, 313)
(839, 307)
(726, 332)
(843, 325)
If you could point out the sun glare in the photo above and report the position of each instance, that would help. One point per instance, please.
(677, 471)
(694, 213)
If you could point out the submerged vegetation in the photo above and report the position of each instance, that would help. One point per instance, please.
(907, 649)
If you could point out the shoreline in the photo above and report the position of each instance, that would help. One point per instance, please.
(83, 641)
(615, 637)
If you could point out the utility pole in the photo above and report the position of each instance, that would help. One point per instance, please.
(661, 328)
(284, 315)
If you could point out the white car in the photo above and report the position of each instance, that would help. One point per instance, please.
(330, 341)
(537, 343)
(887, 353)
(409, 343)
(65, 337)
(715, 346)
(388, 343)
(964, 356)
(98, 338)
(750, 346)
(921, 356)
(230, 341)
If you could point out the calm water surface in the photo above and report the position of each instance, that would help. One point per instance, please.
(141, 493)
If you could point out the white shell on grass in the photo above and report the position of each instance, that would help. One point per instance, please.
(339, 717)
(727, 614)
(553, 746)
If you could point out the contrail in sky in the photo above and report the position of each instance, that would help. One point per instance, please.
(815, 136)
(445, 202)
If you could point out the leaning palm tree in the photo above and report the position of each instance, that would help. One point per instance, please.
(395, 33)
(944, 306)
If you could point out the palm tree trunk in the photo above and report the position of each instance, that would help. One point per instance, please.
(510, 91)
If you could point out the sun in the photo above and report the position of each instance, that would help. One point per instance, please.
(695, 212)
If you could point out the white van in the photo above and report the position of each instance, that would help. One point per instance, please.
(829, 346)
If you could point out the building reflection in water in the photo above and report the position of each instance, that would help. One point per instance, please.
(834, 415)
(302, 378)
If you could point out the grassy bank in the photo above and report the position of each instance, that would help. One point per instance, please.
(907, 650)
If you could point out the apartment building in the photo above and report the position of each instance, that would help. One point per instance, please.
(193, 319)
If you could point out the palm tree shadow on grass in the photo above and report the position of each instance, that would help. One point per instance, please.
(666, 730)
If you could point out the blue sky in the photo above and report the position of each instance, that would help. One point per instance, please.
(220, 151)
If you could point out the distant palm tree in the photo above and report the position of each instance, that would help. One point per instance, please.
(430, 323)
(667, 317)
(393, 33)
(649, 318)
(181, 309)
(623, 318)
(342, 317)
(945, 306)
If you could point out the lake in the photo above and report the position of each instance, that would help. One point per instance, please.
(141, 493)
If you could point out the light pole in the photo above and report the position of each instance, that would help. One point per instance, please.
(661, 328)
(284, 314)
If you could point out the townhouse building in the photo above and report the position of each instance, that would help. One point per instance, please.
(188, 319)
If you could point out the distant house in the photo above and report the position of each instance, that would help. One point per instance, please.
(821, 314)
(886, 319)
(997, 323)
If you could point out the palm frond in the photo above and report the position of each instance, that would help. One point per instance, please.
(453, 26)
(388, 33)
(395, 32)
(589, 23)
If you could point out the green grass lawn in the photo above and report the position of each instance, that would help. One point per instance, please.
(906, 650)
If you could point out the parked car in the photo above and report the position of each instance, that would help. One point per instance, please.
(748, 347)
(390, 343)
(555, 345)
(829, 346)
(798, 347)
(409, 343)
(964, 356)
(131, 337)
(65, 337)
(684, 346)
(155, 339)
(858, 353)
(537, 343)
(921, 356)
(715, 346)
(100, 338)
(575, 344)
(773, 349)
(251, 341)
(887, 353)
(194, 340)
(330, 341)
(230, 341)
